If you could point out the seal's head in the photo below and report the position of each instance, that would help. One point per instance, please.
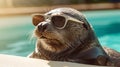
(62, 28)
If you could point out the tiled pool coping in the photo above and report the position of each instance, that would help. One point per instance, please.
(16, 61)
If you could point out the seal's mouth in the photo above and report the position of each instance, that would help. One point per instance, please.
(46, 38)
(43, 37)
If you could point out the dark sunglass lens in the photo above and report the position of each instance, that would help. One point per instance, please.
(58, 21)
(40, 18)
(37, 19)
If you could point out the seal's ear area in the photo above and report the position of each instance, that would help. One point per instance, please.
(37, 18)
(85, 25)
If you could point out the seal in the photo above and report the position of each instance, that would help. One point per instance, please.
(64, 34)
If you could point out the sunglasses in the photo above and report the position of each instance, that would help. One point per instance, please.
(59, 21)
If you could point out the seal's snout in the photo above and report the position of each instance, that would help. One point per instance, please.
(42, 26)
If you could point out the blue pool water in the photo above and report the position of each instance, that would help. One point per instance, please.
(16, 31)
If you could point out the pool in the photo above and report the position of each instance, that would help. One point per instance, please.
(16, 31)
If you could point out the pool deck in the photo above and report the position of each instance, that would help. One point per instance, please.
(30, 10)
(16, 61)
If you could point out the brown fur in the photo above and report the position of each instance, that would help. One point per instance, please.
(75, 43)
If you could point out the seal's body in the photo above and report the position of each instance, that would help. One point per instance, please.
(65, 35)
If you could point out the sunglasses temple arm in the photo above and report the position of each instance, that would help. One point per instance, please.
(73, 19)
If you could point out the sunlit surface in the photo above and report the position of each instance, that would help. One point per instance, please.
(15, 31)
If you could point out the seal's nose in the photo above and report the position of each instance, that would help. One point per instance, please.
(42, 27)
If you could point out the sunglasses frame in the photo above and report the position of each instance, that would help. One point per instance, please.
(67, 18)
